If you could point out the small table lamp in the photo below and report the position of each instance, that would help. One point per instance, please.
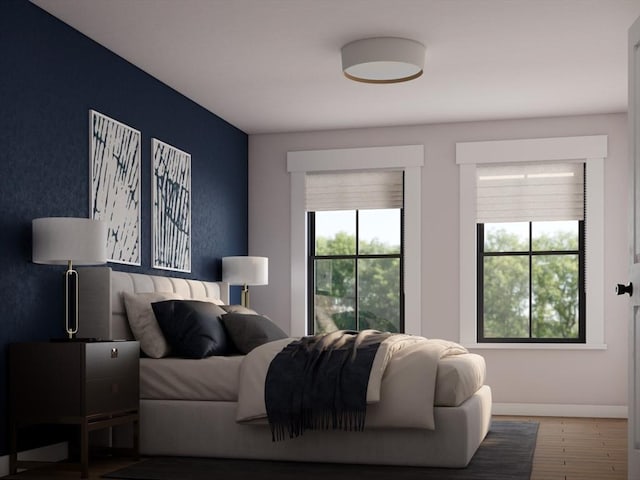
(65, 241)
(245, 271)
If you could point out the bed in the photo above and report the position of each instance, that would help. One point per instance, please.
(187, 410)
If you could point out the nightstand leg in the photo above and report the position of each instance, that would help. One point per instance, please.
(13, 448)
(84, 449)
(136, 439)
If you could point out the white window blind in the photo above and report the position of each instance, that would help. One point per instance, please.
(354, 190)
(541, 192)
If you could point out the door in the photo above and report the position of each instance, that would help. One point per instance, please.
(634, 234)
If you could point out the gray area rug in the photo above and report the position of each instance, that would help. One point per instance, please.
(506, 453)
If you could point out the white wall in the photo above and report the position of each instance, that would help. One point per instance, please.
(533, 377)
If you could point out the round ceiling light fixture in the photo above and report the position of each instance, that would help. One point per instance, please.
(383, 60)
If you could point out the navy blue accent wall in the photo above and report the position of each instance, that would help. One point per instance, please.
(50, 76)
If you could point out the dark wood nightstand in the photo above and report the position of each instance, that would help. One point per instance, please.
(91, 384)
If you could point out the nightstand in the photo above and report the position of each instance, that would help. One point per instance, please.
(93, 384)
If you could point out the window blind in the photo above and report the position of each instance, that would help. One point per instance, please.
(354, 190)
(541, 192)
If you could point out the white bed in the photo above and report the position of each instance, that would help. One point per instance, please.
(182, 418)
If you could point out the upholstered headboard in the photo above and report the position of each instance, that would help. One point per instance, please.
(101, 308)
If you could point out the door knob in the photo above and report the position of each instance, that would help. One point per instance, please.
(622, 289)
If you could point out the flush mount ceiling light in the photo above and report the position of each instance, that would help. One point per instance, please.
(383, 60)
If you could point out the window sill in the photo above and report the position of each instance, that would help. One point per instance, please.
(535, 346)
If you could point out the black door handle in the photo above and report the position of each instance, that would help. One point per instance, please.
(622, 289)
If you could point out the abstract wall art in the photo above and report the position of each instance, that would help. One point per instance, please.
(171, 207)
(114, 150)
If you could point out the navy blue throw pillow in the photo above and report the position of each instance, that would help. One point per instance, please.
(192, 328)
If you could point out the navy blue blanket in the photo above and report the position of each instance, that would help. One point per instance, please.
(320, 382)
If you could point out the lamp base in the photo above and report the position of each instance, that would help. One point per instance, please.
(244, 296)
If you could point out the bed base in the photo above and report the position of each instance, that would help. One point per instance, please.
(208, 429)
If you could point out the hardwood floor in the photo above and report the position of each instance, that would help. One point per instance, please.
(567, 449)
(579, 448)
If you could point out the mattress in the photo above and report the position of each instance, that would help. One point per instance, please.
(217, 379)
(210, 379)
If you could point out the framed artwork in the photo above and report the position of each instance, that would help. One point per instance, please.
(170, 207)
(114, 170)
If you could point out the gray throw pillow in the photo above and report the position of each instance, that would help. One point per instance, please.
(249, 331)
(143, 323)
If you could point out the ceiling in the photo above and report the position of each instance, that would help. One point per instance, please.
(274, 65)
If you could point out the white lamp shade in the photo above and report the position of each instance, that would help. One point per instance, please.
(245, 270)
(383, 60)
(58, 240)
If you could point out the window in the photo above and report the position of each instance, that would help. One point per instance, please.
(355, 250)
(587, 151)
(355, 270)
(530, 234)
(301, 165)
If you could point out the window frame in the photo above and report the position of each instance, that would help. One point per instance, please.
(590, 150)
(410, 159)
(355, 257)
(530, 254)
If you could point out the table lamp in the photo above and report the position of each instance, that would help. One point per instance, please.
(245, 271)
(69, 241)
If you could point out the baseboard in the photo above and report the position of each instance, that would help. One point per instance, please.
(48, 453)
(558, 410)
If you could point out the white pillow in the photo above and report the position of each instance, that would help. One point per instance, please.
(143, 321)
